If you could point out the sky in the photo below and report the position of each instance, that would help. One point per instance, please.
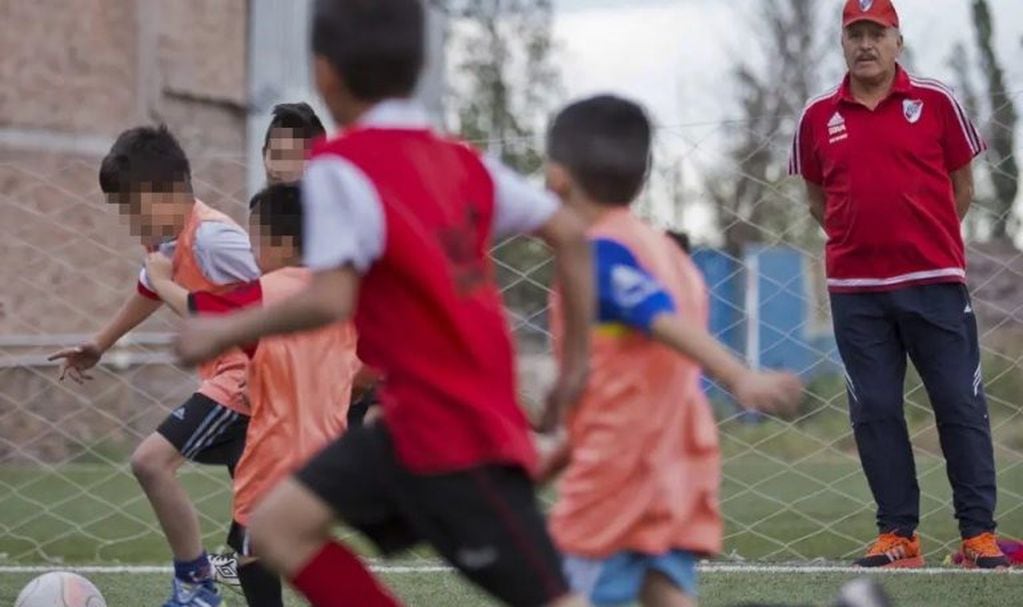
(674, 56)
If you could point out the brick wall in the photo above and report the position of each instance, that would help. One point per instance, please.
(81, 71)
(75, 73)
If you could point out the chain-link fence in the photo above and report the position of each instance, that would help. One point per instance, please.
(793, 490)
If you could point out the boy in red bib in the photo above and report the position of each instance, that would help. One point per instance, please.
(399, 224)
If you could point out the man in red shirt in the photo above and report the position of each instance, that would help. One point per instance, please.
(398, 226)
(887, 162)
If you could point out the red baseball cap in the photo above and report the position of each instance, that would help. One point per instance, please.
(879, 11)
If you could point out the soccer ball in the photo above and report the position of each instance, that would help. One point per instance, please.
(60, 589)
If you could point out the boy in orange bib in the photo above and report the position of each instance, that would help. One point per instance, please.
(299, 385)
(147, 174)
(639, 498)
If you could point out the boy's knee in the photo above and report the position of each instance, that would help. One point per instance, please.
(287, 523)
(270, 528)
(261, 529)
(154, 458)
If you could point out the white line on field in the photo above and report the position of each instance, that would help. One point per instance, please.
(731, 568)
(704, 568)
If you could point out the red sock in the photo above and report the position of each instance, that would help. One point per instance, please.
(337, 578)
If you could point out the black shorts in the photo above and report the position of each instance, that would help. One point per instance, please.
(485, 521)
(206, 432)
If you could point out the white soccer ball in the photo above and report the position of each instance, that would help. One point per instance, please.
(60, 589)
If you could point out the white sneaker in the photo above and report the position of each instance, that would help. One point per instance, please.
(225, 569)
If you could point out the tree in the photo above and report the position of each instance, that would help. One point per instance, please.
(505, 79)
(752, 203)
(998, 178)
(505, 85)
(1001, 135)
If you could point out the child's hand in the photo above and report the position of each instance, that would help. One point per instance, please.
(568, 389)
(74, 362)
(777, 393)
(159, 266)
(554, 457)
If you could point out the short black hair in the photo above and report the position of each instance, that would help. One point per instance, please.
(604, 142)
(376, 46)
(299, 117)
(279, 208)
(681, 239)
(144, 155)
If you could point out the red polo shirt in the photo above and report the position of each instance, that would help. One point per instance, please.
(890, 214)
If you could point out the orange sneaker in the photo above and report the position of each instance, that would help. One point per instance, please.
(982, 552)
(893, 551)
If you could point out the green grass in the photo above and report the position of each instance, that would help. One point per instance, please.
(778, 506)
(717, 589)
(790, 493)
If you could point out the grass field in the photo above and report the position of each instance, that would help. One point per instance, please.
(790, 494)
(442, 589)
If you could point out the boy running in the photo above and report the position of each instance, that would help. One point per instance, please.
(639, 500)
(295, 413)
(148, 176)
(399, 222)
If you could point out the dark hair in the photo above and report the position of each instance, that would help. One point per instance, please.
(681, 239)
(604, 142)
(279, 207)
(144, 155)
(297, 116)
(376, 46)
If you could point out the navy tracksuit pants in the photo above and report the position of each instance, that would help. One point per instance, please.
(934, 325)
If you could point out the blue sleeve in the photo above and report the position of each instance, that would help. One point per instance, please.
(627, 293)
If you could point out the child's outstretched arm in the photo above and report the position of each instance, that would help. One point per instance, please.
(343, 235)
(574, 270)
(768, 392)
(79, 359)
(329, 298)
(524, 208)
(632, 296)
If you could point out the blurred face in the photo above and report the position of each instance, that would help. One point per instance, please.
(871, 50)
(155, 216)
(272, 252)
(285, 156)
